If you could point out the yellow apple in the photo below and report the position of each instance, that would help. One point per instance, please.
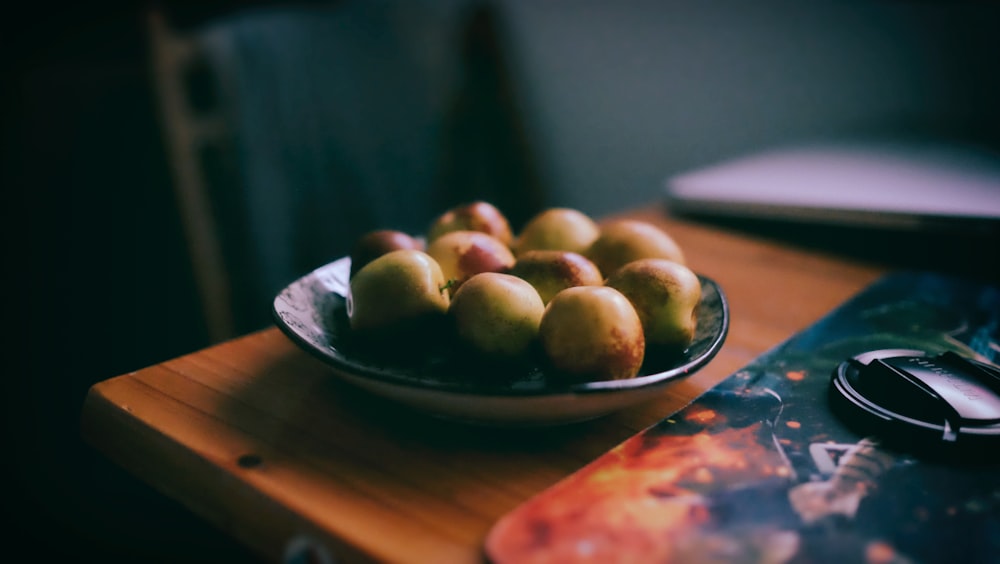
(557, 229)
(624, 240)
(497, 315)
(397, 291)
(665, 294)
(553, 271)
(591, 333)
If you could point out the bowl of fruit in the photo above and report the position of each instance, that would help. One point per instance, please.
(564, 321)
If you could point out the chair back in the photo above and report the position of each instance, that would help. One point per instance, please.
(293, 130)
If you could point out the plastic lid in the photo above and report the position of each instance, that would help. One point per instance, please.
(906, 396)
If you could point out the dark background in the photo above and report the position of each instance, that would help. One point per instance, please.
(98, 279)
(99, 283)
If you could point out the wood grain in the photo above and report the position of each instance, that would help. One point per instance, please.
(256, 436)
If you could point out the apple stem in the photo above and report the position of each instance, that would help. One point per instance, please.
(447, 285)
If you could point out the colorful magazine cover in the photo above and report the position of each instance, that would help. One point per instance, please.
(759, 469)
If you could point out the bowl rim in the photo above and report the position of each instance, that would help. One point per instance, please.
(333, 277)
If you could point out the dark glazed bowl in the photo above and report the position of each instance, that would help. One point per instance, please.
(436, 378)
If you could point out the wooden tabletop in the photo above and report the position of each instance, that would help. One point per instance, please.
(260, 439)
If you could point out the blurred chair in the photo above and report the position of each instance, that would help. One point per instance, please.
(292, 129)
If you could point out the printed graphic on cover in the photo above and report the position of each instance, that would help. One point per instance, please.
(758, 469)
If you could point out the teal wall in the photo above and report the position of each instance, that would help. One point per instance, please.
(620, 95)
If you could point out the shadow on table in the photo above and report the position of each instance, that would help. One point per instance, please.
(971, 252)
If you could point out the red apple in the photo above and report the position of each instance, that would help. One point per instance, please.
(374, 244)
(475, 216)
(462, 254)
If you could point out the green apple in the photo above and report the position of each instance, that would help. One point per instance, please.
(591, 333)
(497, 315)
(374, 244)
(397, 291)
(461, 254)
(473, 216)
(665, 294)
(557, 229)
(623, 240)
(553, 271)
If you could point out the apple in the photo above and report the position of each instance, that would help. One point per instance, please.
(558, 229)
(623, 240)
(374, 244)
(461, 254)
(497, 315)
(396, 292)
(665, 294)
(474, 216)
(552, 271)
(591, 333)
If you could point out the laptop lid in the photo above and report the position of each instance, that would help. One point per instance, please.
(891, 185)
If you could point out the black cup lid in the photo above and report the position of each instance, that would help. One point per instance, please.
(909, 396)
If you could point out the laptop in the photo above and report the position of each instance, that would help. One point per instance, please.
(894, 185)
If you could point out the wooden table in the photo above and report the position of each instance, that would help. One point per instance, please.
(257, 437)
